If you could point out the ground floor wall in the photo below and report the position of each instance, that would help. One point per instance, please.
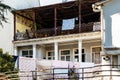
(45, 51)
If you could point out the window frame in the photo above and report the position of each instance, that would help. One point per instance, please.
(64, 55)
(52, 57)
(28, 53)
(78, 55)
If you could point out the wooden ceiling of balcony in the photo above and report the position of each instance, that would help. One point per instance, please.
(66, 10)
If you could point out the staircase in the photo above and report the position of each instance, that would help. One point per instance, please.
(12, 75)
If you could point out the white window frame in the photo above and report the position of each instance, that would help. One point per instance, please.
(28, 56)
(78, 54)
(65, 57)
(52, 57)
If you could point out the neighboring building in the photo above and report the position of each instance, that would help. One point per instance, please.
(110, 16)
(6, 34)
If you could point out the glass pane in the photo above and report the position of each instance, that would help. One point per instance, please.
(49, 58)
(53, 58)
(96, 49)
(83, 51)
(24, 53)
(83, 57)
(30, 56)
(62, 58)
(66, 52)
(67, 58)
(30, 52)
(93, 57)
(115, 61)
(76, 51)
(76, 58)
(49, 54)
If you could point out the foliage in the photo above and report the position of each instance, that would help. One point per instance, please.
(3, 9)
(6, 62)
(1, 51)
(7, 66)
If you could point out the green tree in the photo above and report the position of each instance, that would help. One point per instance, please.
(7, 67)
(6, 62)
(3, 9)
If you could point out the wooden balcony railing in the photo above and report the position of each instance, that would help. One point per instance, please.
(85, 27)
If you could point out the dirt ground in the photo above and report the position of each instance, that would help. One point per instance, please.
(3, 77)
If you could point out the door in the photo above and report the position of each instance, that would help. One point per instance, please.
(96, 55)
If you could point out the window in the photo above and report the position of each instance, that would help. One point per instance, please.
(50, 55)
(27, 53)
(115, 61)
(76, 58)
(65, 55)
(96, 55)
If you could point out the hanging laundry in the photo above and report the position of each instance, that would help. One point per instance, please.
(68, 24)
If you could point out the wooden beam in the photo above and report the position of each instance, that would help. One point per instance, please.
(14, 26)
(24, 16)
(55, 19)
(79, 16)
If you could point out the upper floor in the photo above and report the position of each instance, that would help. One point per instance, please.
(54, 20)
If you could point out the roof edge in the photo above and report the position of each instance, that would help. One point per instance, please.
(97, 6)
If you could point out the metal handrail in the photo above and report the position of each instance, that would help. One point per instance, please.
(82, 74)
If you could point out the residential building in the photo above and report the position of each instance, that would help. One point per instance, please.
(69, 34)
(110, 35)
(58, 28)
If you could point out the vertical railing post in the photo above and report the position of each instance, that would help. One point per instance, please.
(32, 75)
(111, 67)
(82, 73)
(53, 74)
(111, 71)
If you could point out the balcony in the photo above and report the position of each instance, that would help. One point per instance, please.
(48, 21)
(50, 32)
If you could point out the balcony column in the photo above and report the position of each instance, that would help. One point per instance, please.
(15, 51)
(79, 50)
(56, 50)
(16, 54)
(34, 50)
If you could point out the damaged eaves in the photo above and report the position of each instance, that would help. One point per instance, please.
(45, 15)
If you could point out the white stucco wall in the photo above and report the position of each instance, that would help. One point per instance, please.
(6, 34)
(86, 46)
(111, 24)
